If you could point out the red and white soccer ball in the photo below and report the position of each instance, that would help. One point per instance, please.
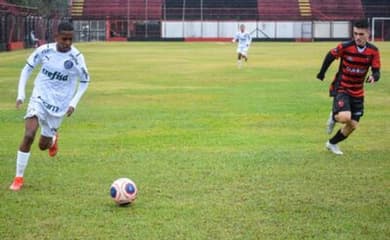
(123, 191)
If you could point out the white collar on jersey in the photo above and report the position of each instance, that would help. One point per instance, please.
(361, 49)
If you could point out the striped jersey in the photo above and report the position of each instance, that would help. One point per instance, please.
(354, 65)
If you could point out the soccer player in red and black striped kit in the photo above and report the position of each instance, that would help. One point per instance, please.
(347, 89)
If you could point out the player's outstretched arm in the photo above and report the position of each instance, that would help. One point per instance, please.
(249, 40)
(83, 85)
(80, 92)
(329, 58)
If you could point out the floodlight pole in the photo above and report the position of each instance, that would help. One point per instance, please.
(165, 18)
(146, 18)
(183, 16)
(373, 29)
(201, 18)
(128, 18)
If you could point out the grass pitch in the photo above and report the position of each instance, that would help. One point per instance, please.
(216, 152)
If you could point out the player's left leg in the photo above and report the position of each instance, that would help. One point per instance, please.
(50, 143)
(49, 135)
(352, 120)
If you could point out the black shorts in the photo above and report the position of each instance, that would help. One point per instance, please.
(344, 102)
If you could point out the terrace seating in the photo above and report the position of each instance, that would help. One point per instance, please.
(376, 8)
(275, 10)
(337, 9)
(132, 9)
(279, 10)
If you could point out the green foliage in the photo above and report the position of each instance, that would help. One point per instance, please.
(45, 7)
(216, 152)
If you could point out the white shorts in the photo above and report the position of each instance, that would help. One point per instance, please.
(48, 123)
(243, 50)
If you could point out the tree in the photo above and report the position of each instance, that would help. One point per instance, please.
(45, 7)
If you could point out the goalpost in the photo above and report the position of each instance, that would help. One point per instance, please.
(379, 27)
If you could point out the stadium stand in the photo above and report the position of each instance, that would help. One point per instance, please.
(305, 8)
(376, 8)
(310, 10)
(279, 10)
(114, 20)
(117, 9)
(337, 9)
(266, 10)
(124, 18)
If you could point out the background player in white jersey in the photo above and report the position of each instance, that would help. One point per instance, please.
(244, 40)
(55, 95)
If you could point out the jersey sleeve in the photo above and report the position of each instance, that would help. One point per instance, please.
(32, 61)
(249, 41)
(84, 81)
(376, 61)
(235, 37)
(83, 70)
(35, 58)
(337, 51)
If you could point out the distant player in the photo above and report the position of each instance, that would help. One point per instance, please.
(34, 39)
(244, 41)
(347, 88)
(54, 94)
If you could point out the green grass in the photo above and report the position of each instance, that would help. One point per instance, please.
(216, 152)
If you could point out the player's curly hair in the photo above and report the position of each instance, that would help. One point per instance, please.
(65, 26)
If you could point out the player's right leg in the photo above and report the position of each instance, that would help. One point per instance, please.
(342, 114)
(244, 53)
(23, 154)
(245, 57)
(334, 148)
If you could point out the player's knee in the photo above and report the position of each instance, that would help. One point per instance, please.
(343, 117)
(353, 125)
(43, 145)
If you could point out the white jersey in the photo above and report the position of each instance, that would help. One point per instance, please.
(56, 82)
(244, 39)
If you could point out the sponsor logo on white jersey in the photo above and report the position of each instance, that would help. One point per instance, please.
(55, 75)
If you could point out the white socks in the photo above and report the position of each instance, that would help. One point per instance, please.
(239, 63)
(21, 163)
(53, 140)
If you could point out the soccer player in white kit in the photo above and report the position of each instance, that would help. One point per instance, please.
(62, 80)
(244, 40)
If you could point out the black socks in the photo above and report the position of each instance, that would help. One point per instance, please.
(337, 138)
